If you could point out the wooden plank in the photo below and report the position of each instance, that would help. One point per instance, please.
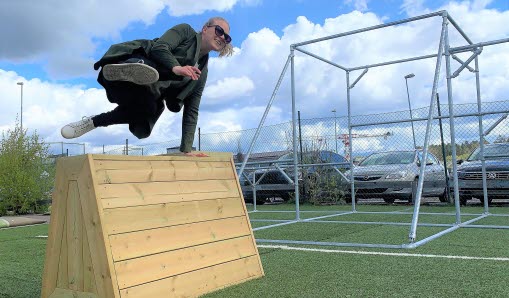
(147, 242)
(74, 229)
(246, 218)
(170, 173)
(55, 232)
(149, 268)
(65, 293)
(196, 283)
(145, 164)
(163, 188)
(213, 156)
(88, 268)
(105, 280)
(129, 219)
(73, 165)
(138, 200)
(62, 273)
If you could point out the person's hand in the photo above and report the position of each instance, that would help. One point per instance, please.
(187, 71)
(196, 154)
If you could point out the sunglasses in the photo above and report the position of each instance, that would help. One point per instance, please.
(220, 32)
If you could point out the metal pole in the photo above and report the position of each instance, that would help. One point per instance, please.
(267, 109)
(352, 187)
(481, 137)
(409, 106)
(300, 143)
(321, 59)
(335, 130)
(444, 155)
(254, 190)
(439, 13)
(126, 147)
(294, 132)
(199, 139)
(21, 115)
(399, 121)
(420, 183)
(451, 124)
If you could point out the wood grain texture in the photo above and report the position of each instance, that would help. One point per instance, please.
(147, 242)
(142, 190)
(105, 279)
(131, 219)
(196, 283)
(153, 267)
(147, 226)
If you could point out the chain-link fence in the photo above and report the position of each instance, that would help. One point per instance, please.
(386, 151)
(57, 149)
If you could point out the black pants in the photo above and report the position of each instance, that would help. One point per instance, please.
(135, 102)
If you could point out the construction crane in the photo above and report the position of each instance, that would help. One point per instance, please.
(346, 139)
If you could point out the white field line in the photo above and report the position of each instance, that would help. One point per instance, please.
(375, 253)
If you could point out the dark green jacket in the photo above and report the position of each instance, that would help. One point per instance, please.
(179, 45)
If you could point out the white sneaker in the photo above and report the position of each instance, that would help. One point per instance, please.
(78, 128)
(138, 73)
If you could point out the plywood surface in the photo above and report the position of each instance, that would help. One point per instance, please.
(156, 226)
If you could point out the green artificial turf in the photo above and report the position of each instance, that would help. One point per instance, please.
(290, 273)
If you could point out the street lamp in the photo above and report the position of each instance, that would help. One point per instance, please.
(408, 76)
(335, 130)
(21, 115)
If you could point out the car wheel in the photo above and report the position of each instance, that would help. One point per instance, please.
(464, 199)
(285, 197)
(389, 200)
(482, 200)
(443, 197)
(348, 199)
(261, 201)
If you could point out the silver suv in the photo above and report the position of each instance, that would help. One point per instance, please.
(393, 175)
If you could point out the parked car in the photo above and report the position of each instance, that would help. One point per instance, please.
(497, 174)
(273, 183)
(394, 175)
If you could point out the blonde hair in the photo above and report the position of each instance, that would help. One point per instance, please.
(227, 50)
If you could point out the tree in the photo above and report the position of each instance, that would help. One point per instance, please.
(25, 176)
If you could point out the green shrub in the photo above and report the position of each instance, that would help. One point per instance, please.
(25, 178)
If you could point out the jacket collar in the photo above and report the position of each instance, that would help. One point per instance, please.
(198, 47)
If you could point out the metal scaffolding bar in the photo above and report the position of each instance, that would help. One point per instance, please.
(369, 28)
(434, 118)
(420, 183)
(320, 58)
(267, 109)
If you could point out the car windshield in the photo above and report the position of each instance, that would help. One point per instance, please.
(389, 158)
(492, 151)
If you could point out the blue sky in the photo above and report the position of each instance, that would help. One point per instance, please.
(51, 48)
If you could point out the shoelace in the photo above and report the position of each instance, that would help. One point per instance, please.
(82, 124)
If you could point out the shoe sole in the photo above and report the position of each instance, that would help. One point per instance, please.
(137, 73)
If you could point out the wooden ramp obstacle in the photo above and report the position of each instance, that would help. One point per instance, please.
(153, 226)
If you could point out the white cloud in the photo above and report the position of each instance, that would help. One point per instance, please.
(63, 36)
(182, 8)
(360, 5)
(251, 74)
(227, 89)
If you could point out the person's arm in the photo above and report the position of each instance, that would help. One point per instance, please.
(190, 116)
(161, 51)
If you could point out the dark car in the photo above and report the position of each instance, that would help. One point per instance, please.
(497, 174)
(272, 182)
